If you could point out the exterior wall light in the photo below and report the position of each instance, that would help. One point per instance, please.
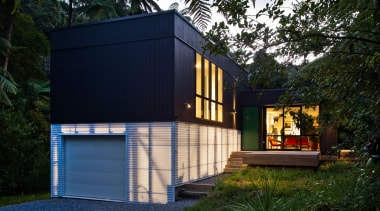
(188, 106)
(234, 112)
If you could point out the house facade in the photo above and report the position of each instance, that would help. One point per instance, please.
(138, 109)
(266, 128)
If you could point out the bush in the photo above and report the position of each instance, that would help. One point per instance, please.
(24, 144)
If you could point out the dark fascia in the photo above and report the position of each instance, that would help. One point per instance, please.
(123, 19)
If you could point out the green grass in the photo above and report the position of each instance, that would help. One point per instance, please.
(338, 186)
(9, 200)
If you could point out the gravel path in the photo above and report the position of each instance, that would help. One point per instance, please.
(63, 204)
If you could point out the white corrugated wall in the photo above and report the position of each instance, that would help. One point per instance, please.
(202, 151)
(159, 155)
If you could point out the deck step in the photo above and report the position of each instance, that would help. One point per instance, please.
(235, 159)
(235, 162)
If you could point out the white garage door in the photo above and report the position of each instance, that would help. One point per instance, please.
(95, 167)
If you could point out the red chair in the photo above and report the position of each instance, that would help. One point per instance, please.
(293, 141)
(274, 142)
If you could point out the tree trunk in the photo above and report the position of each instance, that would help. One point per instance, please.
(70, 12)
(9, 36)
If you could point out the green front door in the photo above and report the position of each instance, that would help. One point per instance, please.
(250, 131)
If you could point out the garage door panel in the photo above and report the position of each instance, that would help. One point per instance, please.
(95, 167)
(108, 192)
(97, 178)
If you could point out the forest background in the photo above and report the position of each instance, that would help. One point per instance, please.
(342, 37)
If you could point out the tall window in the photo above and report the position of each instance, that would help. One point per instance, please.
(292, 128)
(209, 90)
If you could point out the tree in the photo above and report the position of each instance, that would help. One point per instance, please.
(201, 9)
(25, 126)
(7, 84)
(46, 14)
(95, 10)
(142, 6)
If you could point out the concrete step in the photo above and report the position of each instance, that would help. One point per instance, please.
(199, 187)
(234, 162)
(235, 159)
(231, 170)
(192, 194)
(236, 166)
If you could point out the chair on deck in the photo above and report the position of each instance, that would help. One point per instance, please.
(274, 142)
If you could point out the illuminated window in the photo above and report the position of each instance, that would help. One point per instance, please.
(213, 82)
(206, 110)
(220, 113)
(209, 90)
(198, 106)
(198, 67)
(220, 85)
(213, 111)
(206, 78)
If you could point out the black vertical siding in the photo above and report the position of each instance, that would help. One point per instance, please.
(184, 82)
(114, 83)
(187, 43)
(131, 69)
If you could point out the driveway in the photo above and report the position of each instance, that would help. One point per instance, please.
(63, 204)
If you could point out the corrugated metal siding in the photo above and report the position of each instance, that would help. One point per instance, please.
(119, 83)
(159, 155)
(184, 73)
(203, 150)
(148, 158)
(114, 31)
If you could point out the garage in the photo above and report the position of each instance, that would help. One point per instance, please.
(94, 167)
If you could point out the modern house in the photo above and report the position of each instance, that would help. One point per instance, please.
(138, 109)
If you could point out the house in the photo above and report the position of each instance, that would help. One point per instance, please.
(267, 128)
(137, 109)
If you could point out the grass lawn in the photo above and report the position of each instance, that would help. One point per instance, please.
(336, 186)
(9, 200)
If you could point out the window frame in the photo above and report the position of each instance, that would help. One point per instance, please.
(207, 115)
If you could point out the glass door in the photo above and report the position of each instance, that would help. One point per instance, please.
(292, 128)
(274, 124)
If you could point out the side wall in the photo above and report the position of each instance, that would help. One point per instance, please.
(202, 151)
(114, 71)
(187, 43)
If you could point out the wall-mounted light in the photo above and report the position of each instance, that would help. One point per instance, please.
(188, 106)
(234, 112)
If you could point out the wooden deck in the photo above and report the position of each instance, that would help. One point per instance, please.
(279, 158)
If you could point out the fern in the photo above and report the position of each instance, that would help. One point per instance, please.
(201, 12)
(6, 87)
